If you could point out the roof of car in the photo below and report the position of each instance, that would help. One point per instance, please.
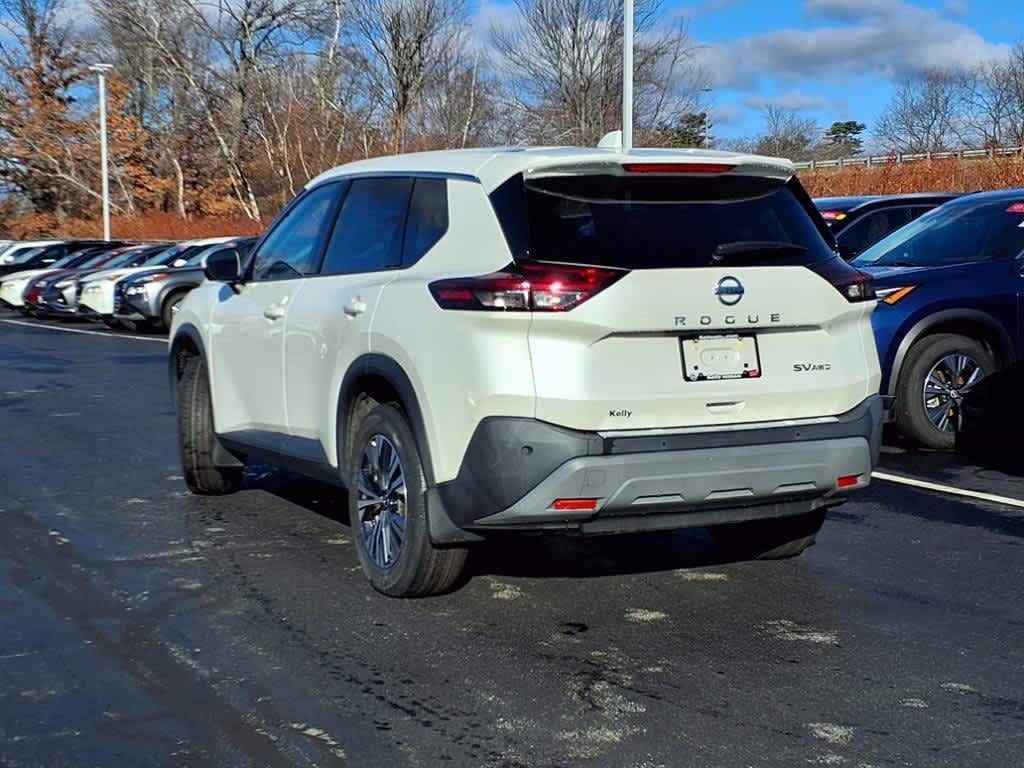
(1008, 195)
(849, 203)
(206, 241)
(493, 166)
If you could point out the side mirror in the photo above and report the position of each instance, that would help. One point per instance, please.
(223, 266)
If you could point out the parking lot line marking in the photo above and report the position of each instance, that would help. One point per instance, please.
(83, 331)
(1008, 501)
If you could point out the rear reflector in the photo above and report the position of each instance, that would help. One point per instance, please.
(848, 481)
(677, 167)
(574, 505)
(849, 281)
(526, 287)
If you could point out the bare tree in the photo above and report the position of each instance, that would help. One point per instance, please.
(217, 50)
(924, 114)
(988, 106)
(405, 43)
(787, 134)
(563, 63)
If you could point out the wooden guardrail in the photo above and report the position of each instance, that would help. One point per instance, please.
(902, 157)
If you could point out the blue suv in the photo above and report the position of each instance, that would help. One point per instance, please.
(951, 286)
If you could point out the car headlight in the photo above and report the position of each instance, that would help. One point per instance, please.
(893, 295)
(64, 284)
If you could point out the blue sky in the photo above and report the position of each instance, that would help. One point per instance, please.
(835, 59)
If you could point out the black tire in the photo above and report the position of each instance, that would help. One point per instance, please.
(167, 311)
(196, 437)
(911, 415)
(775, 539)
(420, 568)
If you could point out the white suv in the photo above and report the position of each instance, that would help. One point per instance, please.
(485, 341)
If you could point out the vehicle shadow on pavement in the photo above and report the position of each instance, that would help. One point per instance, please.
(323, 499)
(993, 430)
(550, 555)
(561, 555)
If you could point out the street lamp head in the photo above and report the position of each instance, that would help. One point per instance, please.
(101, 69)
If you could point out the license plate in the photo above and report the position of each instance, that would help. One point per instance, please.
(714, 358)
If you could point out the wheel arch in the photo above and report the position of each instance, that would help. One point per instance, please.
(172, 290)
(384, 380)
(187, 342)
(972, 323)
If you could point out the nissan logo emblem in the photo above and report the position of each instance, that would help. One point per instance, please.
(729, 291)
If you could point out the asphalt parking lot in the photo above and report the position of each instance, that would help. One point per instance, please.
(140, 625)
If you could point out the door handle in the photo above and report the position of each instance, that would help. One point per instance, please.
(355, 306)
(274, 312)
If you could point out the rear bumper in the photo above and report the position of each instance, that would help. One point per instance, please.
(514, 469)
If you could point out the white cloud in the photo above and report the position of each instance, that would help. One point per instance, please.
(795, 100)
(882, 38)
(956, 8)
(725, 115)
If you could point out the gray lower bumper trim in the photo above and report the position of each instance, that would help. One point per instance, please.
(724, 482)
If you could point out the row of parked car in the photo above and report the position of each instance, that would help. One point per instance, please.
(121, 284)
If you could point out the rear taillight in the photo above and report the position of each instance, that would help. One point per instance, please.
(526, 287)
(34, 295)
(833, 215)
(849, 281)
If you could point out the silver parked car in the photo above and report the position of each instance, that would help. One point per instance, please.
(151, 298)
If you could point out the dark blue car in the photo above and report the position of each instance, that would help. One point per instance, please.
(951, 287)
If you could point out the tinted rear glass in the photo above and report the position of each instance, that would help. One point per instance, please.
(652, 222)
(956, 233)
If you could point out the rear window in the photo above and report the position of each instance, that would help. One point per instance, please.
(654, 222)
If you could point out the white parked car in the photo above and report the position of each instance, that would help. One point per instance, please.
(97, 292)
(12, 287)
(505, 340)
(15, 253)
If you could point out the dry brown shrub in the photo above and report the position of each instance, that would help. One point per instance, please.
(920, 176)
(150, 226)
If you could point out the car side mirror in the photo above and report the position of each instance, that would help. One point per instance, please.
(224, 266)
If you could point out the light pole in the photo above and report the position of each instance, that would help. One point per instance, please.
(101, 71)
(707, 120)
(627, 76)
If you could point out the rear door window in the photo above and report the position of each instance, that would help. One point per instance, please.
(656, 222)
(370, 228)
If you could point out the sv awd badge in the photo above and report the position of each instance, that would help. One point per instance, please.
(809, 367)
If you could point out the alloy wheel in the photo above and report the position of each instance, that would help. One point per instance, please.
(382, 501)
(945, 386)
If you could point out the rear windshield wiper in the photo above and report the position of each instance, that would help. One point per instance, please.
(755, 250)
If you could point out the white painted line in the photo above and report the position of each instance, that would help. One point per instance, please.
(939, 488)
(82, 331)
